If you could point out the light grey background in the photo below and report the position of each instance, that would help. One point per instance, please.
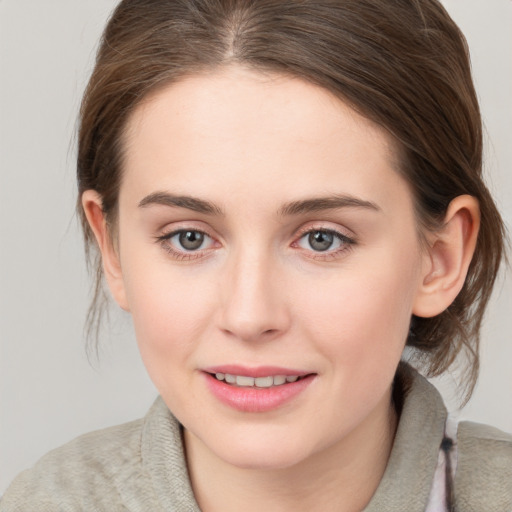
(49, 393)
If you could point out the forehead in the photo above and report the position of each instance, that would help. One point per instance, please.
(272, 132)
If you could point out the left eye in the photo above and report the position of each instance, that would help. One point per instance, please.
(321, 240)
(189, 240)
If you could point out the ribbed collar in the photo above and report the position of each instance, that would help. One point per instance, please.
(163, 457)
(404, 487)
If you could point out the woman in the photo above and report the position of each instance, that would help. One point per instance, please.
(283, 196)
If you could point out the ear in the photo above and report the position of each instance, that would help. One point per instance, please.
(448, 257)
(92, 204)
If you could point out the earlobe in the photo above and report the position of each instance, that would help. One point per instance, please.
(448, 257)
(93, 209)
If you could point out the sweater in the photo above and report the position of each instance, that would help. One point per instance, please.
(140, 466)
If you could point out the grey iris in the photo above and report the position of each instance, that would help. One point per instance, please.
(191, 240)
(320, 240)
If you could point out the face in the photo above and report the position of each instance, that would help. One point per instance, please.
(266, 238)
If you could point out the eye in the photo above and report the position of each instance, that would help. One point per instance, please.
(184, 241)
(324, 240)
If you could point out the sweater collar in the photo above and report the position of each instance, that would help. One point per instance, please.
(407, 480)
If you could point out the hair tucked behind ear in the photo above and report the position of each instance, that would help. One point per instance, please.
(402, 63)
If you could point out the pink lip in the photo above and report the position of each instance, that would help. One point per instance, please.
(256, 400)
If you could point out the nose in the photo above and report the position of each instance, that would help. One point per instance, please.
(253, 303)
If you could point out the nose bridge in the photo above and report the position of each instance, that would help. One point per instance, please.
(253, 301)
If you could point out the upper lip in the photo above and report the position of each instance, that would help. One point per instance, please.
(257, 371)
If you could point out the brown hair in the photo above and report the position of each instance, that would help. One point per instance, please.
(404, 64)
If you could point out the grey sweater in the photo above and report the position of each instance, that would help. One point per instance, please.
(140, 466)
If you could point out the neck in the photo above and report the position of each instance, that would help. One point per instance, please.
(341, 478)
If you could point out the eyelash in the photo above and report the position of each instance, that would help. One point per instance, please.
(328, 255)
(184, 255)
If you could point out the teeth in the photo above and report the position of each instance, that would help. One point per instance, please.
(264, 382)
(259, 382)
(244, 381)
(279, 379)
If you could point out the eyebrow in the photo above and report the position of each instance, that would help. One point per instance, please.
(317, 204)
(188, 202)
(303, 206)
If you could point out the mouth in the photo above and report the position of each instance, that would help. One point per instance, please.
(257, 390)
(245, 381)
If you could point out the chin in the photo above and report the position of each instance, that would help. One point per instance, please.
(261, 453)
(268, 461)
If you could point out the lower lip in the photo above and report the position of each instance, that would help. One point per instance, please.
(249, 399)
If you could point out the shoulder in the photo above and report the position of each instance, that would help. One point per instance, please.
(484, 469)
(83, 474)
(134, 467)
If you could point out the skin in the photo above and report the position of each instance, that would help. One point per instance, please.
(257, 292)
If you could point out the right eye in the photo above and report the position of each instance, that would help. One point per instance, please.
(186, 242)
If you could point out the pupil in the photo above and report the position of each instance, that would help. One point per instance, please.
(191, 240)
(320, 240)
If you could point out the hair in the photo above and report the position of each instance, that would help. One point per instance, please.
(404, 64)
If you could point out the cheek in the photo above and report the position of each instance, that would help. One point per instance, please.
(360, 317)
(170, 310)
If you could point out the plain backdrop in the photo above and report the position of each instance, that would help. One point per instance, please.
(49, 393)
